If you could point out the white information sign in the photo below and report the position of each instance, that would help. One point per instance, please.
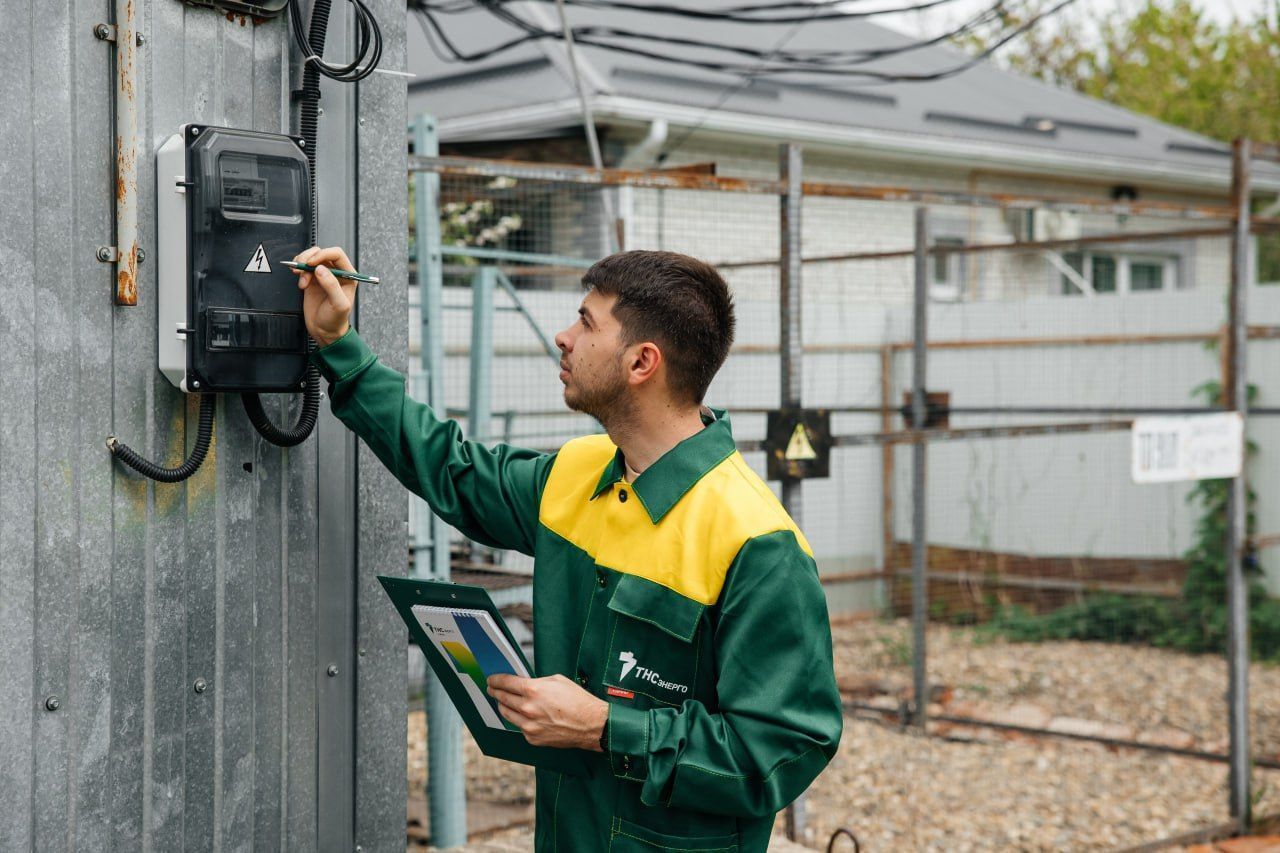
(1193, 447)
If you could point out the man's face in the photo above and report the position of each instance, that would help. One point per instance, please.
(591, 360)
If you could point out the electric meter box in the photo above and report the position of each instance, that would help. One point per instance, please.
(232, 204)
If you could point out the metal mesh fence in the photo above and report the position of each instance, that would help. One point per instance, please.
(1074, 631)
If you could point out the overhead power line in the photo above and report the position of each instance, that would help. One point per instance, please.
(779, 62)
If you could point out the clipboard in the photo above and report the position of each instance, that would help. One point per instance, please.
(473, 613)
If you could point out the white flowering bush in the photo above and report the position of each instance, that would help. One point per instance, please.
(475, 223)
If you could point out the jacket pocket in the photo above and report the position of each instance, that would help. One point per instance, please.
(653, 642)
(628, 837)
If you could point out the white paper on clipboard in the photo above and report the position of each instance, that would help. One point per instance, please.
(470, 640)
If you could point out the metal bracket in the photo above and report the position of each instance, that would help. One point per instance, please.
(110, 254)
(107, 32)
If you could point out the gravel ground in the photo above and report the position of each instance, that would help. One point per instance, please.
(898, 790)
(1142, 689)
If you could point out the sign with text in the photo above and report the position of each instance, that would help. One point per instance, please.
(1194, 447)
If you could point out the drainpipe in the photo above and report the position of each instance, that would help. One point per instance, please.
(126, 248)
(645, 153)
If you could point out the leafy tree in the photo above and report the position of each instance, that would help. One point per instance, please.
(1165, 59)
(1162, 58)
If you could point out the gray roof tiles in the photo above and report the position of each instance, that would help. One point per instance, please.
(983, 104)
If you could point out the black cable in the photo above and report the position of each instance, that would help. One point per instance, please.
(368, 41)
(729, 92)
(824, 68)
(432, 30)
(722, 15)
(204, 433)
(308, 122)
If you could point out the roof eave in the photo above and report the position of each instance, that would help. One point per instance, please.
(903, 147)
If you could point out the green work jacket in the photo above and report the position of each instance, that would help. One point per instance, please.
(688, 600)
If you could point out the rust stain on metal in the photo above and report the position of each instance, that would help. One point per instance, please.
(974, 248)
(477, 167)
(127, 281)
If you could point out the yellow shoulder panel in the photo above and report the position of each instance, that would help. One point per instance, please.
(691, 549)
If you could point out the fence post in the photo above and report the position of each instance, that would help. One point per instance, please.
(479, 412)
(919, 544)
(446, 785)
(1236, 398)
(790, 354)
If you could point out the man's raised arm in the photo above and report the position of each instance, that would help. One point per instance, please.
(489, 494)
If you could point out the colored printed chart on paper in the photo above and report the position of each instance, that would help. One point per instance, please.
(472, 642)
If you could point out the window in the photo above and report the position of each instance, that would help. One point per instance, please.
(1111, 272)
(946, 270)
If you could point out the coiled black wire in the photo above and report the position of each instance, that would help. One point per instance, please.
(204, 433)
(368, 41)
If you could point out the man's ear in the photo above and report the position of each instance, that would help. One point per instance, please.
(643, 362)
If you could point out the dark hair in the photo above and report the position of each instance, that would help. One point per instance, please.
(679, 303)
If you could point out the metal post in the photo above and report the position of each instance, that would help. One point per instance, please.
(1237, 504)
(446, 783)
(480, 410)
(429, 562)
(790, 353)
(337, 566)
(919, 545)
(126, 82)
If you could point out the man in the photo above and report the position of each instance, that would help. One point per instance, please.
(680, 631)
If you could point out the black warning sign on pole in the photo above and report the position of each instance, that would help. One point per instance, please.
(798, 444)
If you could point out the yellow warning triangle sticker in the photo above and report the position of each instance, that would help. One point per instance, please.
(799, 447)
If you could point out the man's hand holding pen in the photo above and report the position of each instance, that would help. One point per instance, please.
(326, 301)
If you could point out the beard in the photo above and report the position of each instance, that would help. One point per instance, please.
(604, 396)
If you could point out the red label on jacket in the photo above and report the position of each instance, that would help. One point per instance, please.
(625, 694)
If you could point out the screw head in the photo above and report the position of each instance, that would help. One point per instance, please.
(303, 385)
(195, 131)
(201, 685)
(319, 111)
(142, 256)
(141, 39)
(302, 143)
(102, 31)
(104, 253)
(52, 703)
(332, 670)
(195, 383)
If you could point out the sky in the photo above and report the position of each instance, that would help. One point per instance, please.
(941, 18)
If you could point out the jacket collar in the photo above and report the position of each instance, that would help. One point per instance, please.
(660, 486)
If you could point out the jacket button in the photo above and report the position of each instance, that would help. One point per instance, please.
(582, 678)
(622, 495)
(601, 579)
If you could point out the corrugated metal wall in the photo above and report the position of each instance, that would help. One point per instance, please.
(117, 594)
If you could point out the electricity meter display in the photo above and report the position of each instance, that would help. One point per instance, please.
(230, 314)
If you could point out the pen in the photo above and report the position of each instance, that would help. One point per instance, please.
(354, 276)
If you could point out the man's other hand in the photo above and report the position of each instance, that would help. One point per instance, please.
(326, 300)
(552, 711)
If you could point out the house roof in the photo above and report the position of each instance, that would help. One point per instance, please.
(984, 117)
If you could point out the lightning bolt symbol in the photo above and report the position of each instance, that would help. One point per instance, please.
(628, 663)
